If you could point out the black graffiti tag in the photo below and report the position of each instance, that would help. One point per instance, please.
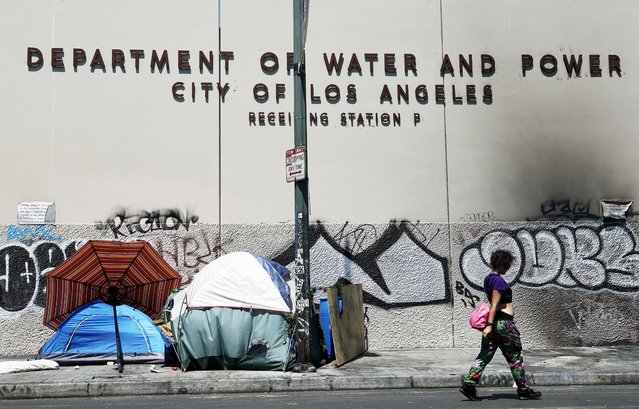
(22, 272)
(191, 251)
(18, 277)
(421, 278)
(125, 223)
(462, 290)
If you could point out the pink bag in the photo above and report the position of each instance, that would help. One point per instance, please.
(479, 317)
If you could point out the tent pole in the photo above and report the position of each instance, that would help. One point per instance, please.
(120, 357)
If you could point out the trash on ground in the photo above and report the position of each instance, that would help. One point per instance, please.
(25, 366)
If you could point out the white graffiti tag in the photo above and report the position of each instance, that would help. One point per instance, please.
(584, 257)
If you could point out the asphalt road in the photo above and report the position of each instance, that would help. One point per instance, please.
(601, 397)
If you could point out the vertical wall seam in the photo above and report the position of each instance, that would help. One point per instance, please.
(52, 134)
(219, 125)
(450, 246)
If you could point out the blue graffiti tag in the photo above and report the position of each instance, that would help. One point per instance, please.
(30, 234)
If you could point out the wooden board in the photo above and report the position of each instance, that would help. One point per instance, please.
(347, 327)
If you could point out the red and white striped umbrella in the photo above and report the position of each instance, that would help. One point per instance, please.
(131, 273)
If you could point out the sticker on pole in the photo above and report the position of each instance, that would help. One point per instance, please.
(296, 164)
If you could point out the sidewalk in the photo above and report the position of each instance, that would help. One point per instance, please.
(423, 368)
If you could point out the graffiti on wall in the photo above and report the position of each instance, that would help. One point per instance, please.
(187, 251)
(190, 252)
(482, 217)
(126, 223)
(395, 266)
(29, 234)
(23, 269)
(588, 257)
(468, 298)
(23, 266)
(565, 209)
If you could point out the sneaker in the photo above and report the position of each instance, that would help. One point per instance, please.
(469, 391)
(529, 393)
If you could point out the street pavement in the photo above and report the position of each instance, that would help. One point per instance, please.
(379, 369)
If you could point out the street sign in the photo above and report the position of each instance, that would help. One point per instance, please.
(295, 164)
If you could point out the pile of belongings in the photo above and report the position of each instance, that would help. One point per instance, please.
(235, 314)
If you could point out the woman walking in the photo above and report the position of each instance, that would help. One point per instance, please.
(500, 332)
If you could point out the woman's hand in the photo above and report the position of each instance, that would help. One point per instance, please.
(487, 331)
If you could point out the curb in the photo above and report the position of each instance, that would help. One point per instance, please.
(304, 382)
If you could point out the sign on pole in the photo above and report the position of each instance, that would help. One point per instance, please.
(295, 164)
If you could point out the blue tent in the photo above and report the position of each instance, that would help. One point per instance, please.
(88, 337)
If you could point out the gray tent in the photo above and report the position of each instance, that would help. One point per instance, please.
(234, 315)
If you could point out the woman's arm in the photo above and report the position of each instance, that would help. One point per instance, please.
(492, 314)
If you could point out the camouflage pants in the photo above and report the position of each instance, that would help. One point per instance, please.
(505, 336)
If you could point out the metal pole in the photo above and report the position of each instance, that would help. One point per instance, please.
(119, 357)
(303, 306)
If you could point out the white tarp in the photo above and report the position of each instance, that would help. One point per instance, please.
(24, 366)
(235, 280)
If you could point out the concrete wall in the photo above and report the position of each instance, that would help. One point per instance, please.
(574, 283)
(411, 208)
